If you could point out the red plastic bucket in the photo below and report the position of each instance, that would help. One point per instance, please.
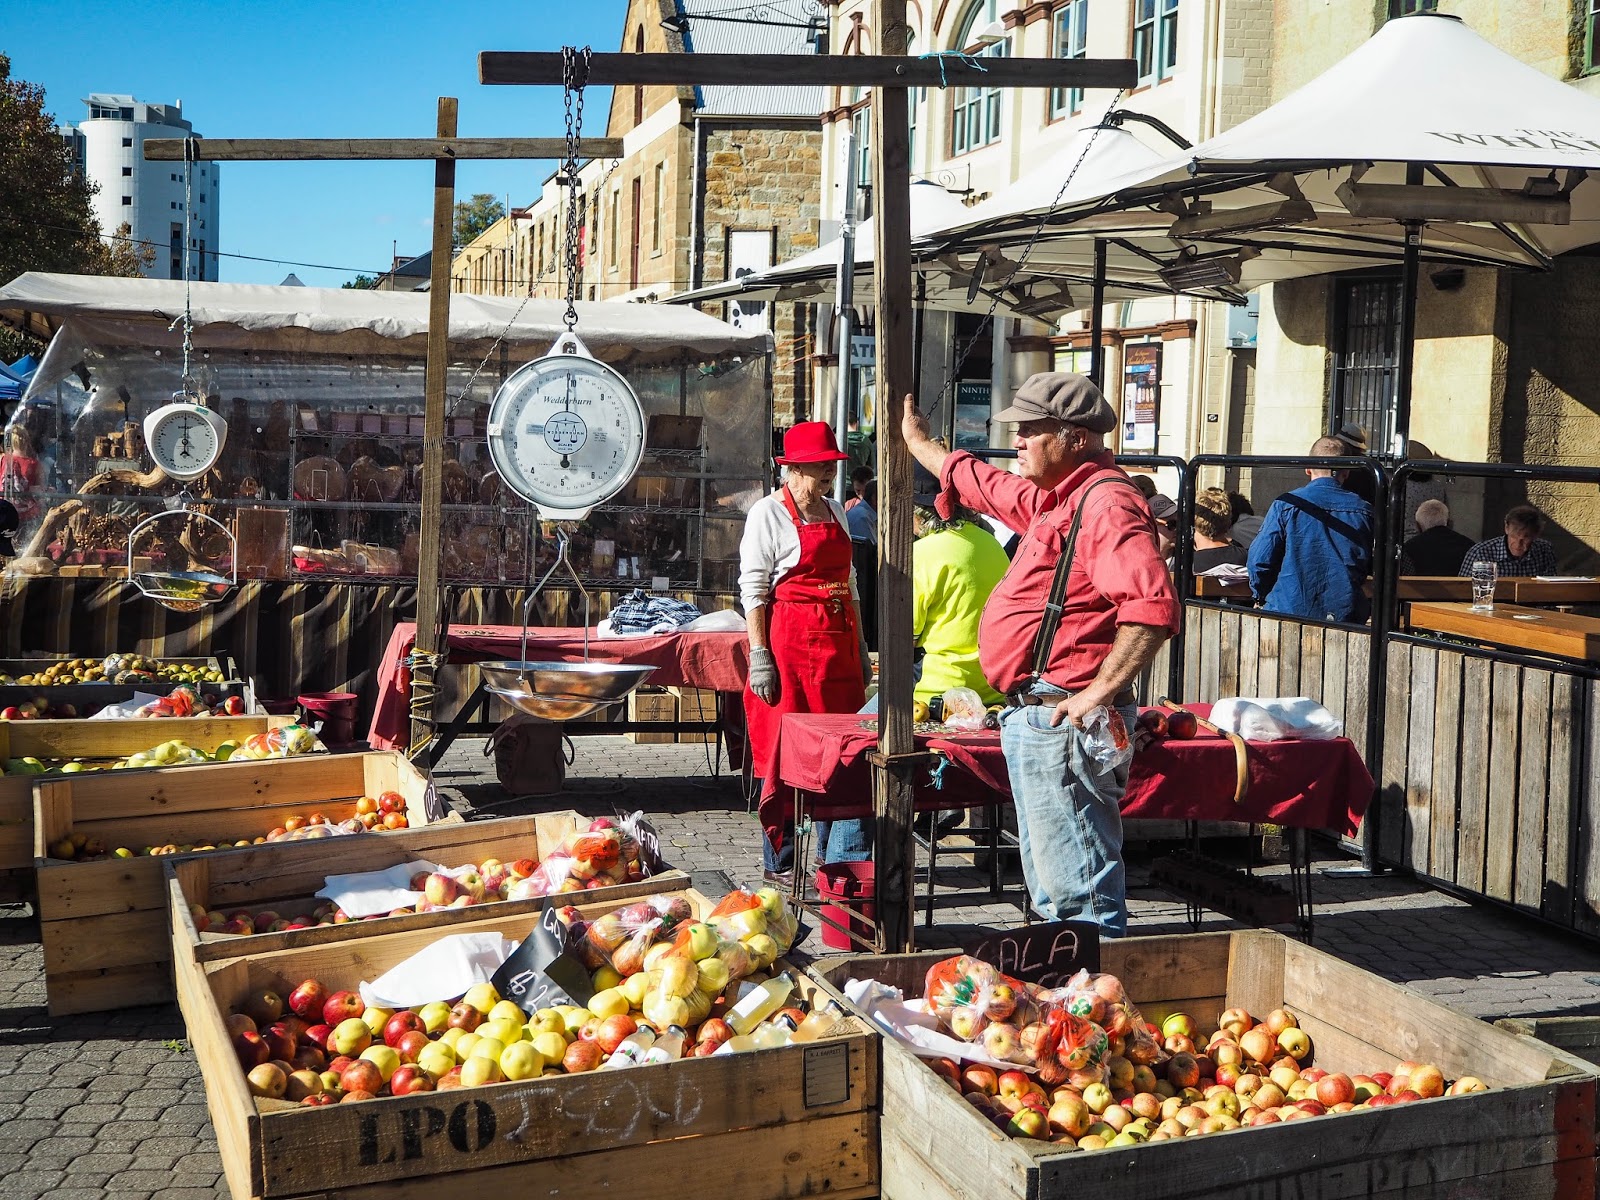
(336, 711)
(279, 708)
(852, 882)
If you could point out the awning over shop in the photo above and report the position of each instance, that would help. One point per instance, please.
(348, 321)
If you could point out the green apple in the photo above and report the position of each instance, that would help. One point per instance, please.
(434, 1016)
(350, 1036)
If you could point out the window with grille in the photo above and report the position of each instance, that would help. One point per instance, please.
(1401, 8)
(975, 112)
(1069, 38)
(1366, 332)
(1591, 28)
(1155, 39)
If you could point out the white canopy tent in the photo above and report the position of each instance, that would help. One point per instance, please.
(1427, 143)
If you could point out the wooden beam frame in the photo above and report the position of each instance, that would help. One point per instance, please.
(363, 149)
(801, 70)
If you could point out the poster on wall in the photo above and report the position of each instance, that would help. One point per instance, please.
(1141, 395)
(749, 252)
(972, 415)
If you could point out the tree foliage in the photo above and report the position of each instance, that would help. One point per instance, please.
(362, 283)
(46, 222)
(475, 215)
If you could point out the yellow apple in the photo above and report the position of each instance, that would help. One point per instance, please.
(503, 1031)
(609, 1003)
(476, 1072)
(521, 1061)
(552, 1047)
(434, 1016)
(487, 1047)
(452, 1038)
(385, 1058)
(507, 1010)
(547, 1020)
(635, 988)
(482, 997)
(573, 1017)
(607, 977)
(436, 1059)
(465, 1045)
(376, 1019)
(713, 975)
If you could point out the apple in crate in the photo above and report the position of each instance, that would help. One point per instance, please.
(343, 1006)
(350, 1036)
(408, 1078)
(268, 1081)
(251, 1049)
(400, 1024)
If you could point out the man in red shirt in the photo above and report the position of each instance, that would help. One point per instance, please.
(1118, 607)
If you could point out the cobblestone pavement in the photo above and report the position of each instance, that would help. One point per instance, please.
(111, 1105)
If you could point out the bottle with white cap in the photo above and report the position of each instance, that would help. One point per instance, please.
(668, 1046)
(630, 1052)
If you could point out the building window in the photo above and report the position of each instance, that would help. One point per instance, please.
(638, 89)
(861, 129)
(915, 98)
(1365, 333)
(975, 112)
(127, 200)
(1402, 8)
(127, 172)
(616, 223)
(126, 142)
(1069, 38)
(659, 208)
(202, 197)
(1591, 27)
(1155, 39)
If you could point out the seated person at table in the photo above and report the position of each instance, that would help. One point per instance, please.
(1245, 524)
(1435, 549)
(1165, 511)
(1520, 551)
(1213, 545)
(1315, 547)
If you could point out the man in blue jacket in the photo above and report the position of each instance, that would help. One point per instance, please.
(1314, 550)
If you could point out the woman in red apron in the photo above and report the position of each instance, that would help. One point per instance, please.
(805, 633)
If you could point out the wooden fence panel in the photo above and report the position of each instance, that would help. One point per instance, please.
(1476, 730)
(1209, 681)
(1500, 800)
(1586, 866)
(1358, 651)
(1228, 634)
(1417, 834)
(1569, 714)
(1268, 634)
(1391, 800)
(1533, 793)
(1445, 802)
(1290, 637)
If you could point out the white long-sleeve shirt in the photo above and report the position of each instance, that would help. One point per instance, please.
(771, 547)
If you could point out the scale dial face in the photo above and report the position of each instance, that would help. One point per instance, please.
(185, 440)
(566, 433)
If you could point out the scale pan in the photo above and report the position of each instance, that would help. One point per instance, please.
(561, 691)
(184, 591)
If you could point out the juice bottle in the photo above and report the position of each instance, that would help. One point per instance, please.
(668, 1046)
(818, 1021)
(630, 1052)
(775, 1033)
(759, 1003)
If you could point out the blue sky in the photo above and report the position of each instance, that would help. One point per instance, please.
(329, 69)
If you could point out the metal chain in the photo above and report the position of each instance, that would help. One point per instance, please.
(573, 79)
(187, 386)
(1022, 259)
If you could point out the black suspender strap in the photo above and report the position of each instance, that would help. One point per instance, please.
(1056, 604)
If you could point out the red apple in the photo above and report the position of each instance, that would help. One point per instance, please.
(1382, 1079)
(391, 802)
(1028, 1123)
(251, 1049)
(403, 1022)
(613, 1029)
(715, 1030)
(1183, 1071)
(361, 1076)
(309, 1058)
(464, 1017)
(318, 1034)
(280, 1041)
(523, 868)
(449, 1080)
(307, 1000)
(945, 1068)
(1315, 1107)
(341, 1006)
(1382, 1099)
(980, 1078)
(237, 1023)
(408, 1078)
(411, 1045)
(1427, 1081)
(1407, 1096)
(338, 1063)
(357, 1097)
(582, 1056)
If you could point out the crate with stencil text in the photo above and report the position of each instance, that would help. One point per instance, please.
(695, 705)
(103, 918)
(797, 1120)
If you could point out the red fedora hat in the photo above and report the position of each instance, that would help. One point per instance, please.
(810, 442)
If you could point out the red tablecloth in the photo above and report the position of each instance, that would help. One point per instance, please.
(1299, 784)
(716, 662)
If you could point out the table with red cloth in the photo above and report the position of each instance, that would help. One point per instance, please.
(712, 661)
(1296, 783)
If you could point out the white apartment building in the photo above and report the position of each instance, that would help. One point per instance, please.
(1204, 65)
(151, 197)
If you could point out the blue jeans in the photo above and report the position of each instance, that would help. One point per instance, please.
(1069, 817)
(843, 841)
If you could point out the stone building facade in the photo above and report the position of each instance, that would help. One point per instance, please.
(1507, 365)
(702, 170)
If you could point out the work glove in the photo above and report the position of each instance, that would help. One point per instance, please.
(764, 675)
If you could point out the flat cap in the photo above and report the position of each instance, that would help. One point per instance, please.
(1073, 399)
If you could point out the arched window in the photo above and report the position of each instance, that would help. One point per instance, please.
(975, 111)
(638, 88)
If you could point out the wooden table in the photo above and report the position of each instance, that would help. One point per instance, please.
(1516, 626)
(1215, 587)
(1508, 589)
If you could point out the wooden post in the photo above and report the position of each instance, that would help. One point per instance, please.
(892, 773)
(423, 673)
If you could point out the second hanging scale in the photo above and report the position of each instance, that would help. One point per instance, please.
(566, 433)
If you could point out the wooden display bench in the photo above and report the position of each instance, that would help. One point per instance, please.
(77, 738)
(104, 922)
(790, 1121)
(284, 877)
(1533, 1135)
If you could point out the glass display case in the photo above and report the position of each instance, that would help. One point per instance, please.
(321, 475)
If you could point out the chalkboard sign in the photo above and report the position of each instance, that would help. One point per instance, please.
(636, 827)
(541, 972)
(1047, 954)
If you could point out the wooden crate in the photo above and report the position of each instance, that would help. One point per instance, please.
(792, 1121)
(104, 922)
(695, 704)
(1532, 1136)
(652, 706)
(284, 876)
(107, 739)
(1577, 1036)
